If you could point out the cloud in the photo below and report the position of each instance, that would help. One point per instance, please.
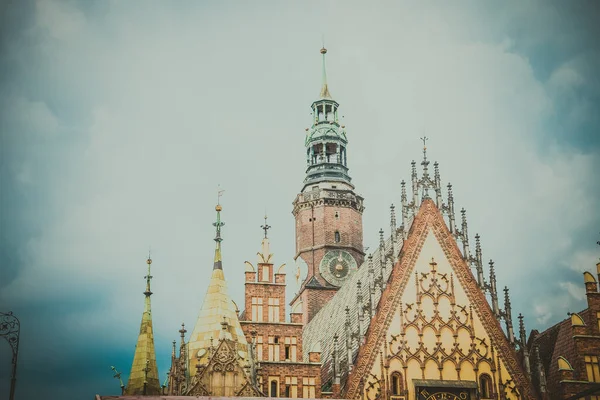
(120, 121)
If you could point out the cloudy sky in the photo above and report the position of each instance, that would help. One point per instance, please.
(120, 119)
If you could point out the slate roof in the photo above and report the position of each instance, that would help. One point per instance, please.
(331, 319)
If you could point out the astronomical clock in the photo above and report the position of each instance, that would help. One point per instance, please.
(336, 266)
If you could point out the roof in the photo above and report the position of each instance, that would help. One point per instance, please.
(557, 341)
(331, 319)
(216, 309)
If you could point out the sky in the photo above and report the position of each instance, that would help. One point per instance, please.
(119, 121)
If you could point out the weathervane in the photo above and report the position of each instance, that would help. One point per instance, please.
(265, 227)
(219, 194)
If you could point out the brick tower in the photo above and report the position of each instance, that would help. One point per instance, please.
(328, 213)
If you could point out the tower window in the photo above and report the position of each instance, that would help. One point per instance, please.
(485, 386)
(396, 384)
(337, 215)
(337, 237)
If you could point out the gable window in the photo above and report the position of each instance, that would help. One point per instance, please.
(257, 309)
(592, 368)
(396, 384)
(273, 310)
(337, 237)
(485, 386)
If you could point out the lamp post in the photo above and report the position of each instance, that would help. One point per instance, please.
(10, 328)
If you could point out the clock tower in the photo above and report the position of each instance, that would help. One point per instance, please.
(328, 213)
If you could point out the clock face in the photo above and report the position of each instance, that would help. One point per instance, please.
(336, 266)
(443, 395)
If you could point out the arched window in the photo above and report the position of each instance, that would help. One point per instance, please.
(337, 237)
(485, 386)
(396, 384)
(273, 391)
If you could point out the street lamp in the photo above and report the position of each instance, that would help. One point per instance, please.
(10, 328)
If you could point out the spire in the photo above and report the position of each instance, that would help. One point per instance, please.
(218, 264)
(216, 308)
(324, 88)
(143, 378)
(326, 142)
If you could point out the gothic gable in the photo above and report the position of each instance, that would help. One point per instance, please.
(433, 326)
(223, 374)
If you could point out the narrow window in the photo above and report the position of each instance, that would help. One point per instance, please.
(257, 309)
(396, 384)
(259, 348)
(337, 237)
(273, 310)
(273, 392)
(287, 352)
(485, 386)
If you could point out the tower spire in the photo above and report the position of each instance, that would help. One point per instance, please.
(218, 262)
(324, 88)
(143, 378)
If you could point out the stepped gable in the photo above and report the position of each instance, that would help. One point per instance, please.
(331, 319)
(430, 221)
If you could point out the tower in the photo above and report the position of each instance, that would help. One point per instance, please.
(328, 212)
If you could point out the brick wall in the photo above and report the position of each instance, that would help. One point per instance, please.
(282, 370)
(317, 222)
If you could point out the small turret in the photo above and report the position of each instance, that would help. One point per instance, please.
(479, 262)
(523, 345)
(508, 317)
(493, 291)
(465, 234)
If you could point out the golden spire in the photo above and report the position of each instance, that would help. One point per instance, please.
(324, 88)
(216, 309)
(143, 378)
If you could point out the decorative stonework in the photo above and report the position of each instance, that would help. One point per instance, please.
(430, 218)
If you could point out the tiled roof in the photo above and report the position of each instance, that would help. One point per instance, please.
(331, 319)
(557, 341)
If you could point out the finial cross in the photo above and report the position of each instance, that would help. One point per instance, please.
(219, 194)
(424, 139)
(265, 227)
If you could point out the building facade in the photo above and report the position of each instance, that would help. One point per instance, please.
(566, 356)
(417, 318)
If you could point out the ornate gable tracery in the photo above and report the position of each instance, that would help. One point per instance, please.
(223, 374)
(420, 326)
